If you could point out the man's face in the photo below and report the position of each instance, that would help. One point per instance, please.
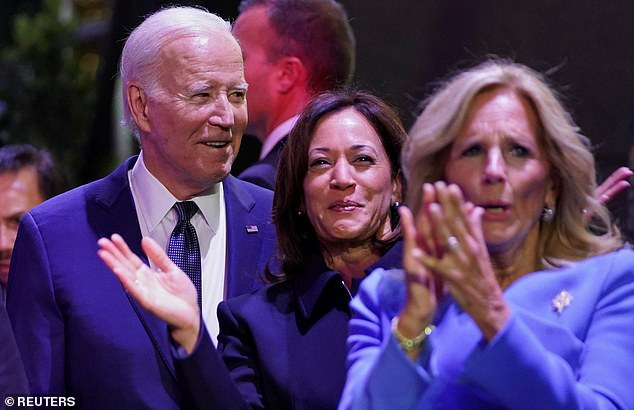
(18, 193)
(256, 36)
(196, 119)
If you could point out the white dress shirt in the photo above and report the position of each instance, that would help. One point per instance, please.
(157, 219)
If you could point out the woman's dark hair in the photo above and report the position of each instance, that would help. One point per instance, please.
(296, 236)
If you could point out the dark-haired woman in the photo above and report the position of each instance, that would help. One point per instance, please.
(284, 346)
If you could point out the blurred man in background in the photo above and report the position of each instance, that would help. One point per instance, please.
(293, 50)
(28, 176)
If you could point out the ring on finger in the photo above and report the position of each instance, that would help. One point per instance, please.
(452, 243)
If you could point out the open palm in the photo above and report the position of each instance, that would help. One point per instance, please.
(167, 292)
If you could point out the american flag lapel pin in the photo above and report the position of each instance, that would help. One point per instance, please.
(251, 228)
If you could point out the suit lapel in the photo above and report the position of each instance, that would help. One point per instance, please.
(115, 213)
(273, 157)
(244, 241)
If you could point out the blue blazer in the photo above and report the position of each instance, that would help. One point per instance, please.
(284, 345)
(78, 331)
(568, 345)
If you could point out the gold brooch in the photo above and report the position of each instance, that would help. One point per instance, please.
(562, 301)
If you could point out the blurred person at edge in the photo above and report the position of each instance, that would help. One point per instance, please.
(12, 376)
(293, 50)
(78, 331)
(28, 176)
(509, 297)
(337, 190)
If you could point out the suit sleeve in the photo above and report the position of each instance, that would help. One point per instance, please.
(12, 377)
(380, 375)
(236, 346)
(35, 316)
(226, 378)
(205, 378)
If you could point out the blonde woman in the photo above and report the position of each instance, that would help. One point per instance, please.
(510, 296)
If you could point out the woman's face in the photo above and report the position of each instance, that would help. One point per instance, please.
(498, 162)
(348, 187)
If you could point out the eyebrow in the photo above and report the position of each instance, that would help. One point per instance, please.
(198, 87)
(358, 147)
(469, 138)
(204, 86)
(355, 147)
(242, 86)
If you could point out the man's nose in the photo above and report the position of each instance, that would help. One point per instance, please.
(222, 112)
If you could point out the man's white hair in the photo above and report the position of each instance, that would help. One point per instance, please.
(140, 55)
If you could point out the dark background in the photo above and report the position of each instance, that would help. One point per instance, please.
(404, 46)
(586, 46)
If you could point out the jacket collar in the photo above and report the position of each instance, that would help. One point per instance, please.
(318, 277)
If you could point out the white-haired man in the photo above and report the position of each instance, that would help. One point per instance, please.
(79, 333)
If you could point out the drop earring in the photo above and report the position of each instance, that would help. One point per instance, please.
(394, 216)
(548, 214)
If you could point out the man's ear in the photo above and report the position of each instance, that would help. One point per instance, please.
(291, 72)
(137, 101)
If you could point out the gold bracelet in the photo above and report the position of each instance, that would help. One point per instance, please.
(406, 343)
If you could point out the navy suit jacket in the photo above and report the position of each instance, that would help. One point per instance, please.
(12, 378)
(263, 172)
(284, 346)
(78, 331)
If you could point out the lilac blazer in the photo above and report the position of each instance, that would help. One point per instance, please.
(580, 355)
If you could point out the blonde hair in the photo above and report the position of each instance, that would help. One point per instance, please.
(570, 236)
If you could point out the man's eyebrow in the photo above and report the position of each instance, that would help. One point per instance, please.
(242, 86)
(199, 87)
(204, 86)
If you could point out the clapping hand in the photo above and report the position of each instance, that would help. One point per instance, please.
(452, 246)
(423, 287)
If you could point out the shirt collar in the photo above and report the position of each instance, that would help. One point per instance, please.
(276, 135)
(156, 201)
(317, 277)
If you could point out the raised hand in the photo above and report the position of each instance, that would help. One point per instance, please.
(464, 265)
(167, 293)
(422, 286)
(617, 182)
